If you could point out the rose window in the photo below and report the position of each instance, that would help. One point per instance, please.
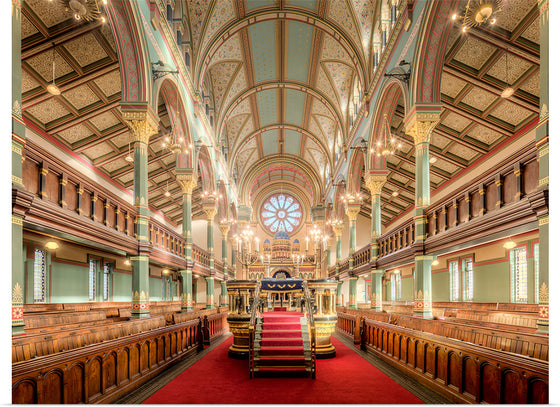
(281, 212)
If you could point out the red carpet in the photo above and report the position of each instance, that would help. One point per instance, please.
(345, 379)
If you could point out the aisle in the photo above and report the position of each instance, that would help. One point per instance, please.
(217, 379)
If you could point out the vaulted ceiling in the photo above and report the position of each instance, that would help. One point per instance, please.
(283, 80)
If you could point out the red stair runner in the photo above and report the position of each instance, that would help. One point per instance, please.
(281, 347)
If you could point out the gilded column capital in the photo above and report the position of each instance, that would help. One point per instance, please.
(187, 182)
(420, 129)
(224, 228)
(352, 210)
(375, 183)
(337, 229)
(210, 210)
(141, 124)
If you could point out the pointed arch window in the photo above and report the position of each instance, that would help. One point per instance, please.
(281, 213)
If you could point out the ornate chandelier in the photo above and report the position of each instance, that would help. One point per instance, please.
(87, 10)
(479, 12)
(386, 144)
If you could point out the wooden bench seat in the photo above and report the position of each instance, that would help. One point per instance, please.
(28, 346)
(44, 320)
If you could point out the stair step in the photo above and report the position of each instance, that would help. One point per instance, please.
(273, 326)
(281, 342)
(282, 350)
(281, 361)
(282, 333)
(282, 319)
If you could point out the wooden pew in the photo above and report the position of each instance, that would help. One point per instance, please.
(461, 371)
(29, 346)
(37, 320)
(103, 372)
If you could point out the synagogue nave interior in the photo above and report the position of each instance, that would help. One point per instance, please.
(344, 199)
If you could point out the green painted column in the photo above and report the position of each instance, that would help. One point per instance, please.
(338, 227)
(209, 207)
(234, 259)
(143, 127)
(224, 228)
(352, 303)
(18, 144)
(209, 292)
(542, 143)
(420, 128)
(187, 181)
(374, 182)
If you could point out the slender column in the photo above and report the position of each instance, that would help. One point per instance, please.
(142, 127)
(421, 129)
(209, 207)
(499, 189)
(224, 228)
(375, 183)
(18, 145)
(329, 244)
(352, 303)
(482, 193)
(188, 183)
(337, 229)
(542, 146)
(234, 258)
(352, 210)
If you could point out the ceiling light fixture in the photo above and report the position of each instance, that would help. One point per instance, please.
(510, 244)
(129, 158)
(174, 141)
(87, 10)
(433, 159)
(167, 193)
(508, 91)
(386, 144)
(479, 12)
(395, 193)
(435, 262)
(52, 88)
(51, 245)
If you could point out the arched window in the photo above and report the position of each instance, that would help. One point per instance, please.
(169, 13)
(107, 281)
(92, 280)
(281, 213)
(39, 276)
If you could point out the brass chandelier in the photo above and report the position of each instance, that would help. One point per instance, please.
(479, 12)
(386, 143)
(87, 10)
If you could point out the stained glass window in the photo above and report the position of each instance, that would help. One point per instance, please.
(518, 262)
(39, 276)
(281, 212)
(395, 287)
(454, 280)
(106, 281)
(468, 292)
(91, 280)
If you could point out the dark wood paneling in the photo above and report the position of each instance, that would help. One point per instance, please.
(491, 196)
(30, 175)
(93, 378)
(531, 177)
(475, 204)
(509, 187)
(53, 387)
(70, 197)
(462, 210)
(24, 392)
(74, 384)
(86, 204)
(52, 187)
(99, 210)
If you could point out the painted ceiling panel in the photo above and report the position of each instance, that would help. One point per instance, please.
(263, 47)
(364, 9)
(295, 104)
(333, 50)
(230, 50)
(247, 129)
(268, 106)
(223, 13)
(270, 141)
(239, 84)
(342, 16)
(293, 139)
(253, 4)
(299, 50)
(310, 4)
(221, 74)
(233, 126)
(324, 85)
(197, 10)
(341, 78)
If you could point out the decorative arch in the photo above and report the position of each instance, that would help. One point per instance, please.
(430, 52)
(388, 98)
(223, 212)
(338, 205)
(132, 52)
(169, 89)
(204, 163)
(356, 169)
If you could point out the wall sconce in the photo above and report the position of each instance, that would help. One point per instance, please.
(510, 244)
(435, 262)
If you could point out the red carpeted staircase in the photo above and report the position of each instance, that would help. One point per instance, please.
(281, 345)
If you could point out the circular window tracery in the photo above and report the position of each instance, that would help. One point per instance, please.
(281, 212)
